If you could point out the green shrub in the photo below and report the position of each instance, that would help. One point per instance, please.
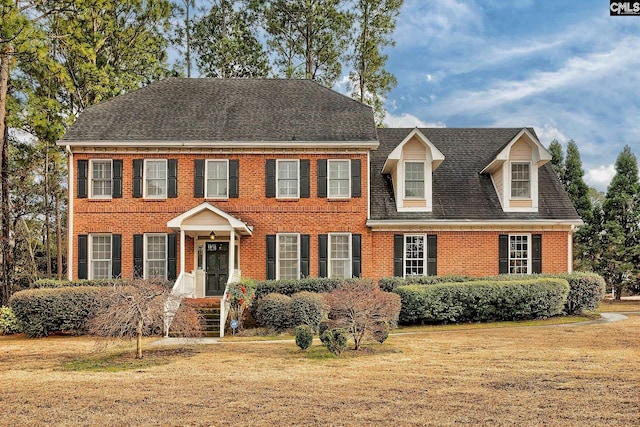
(487, 300)
(307, 308)
(586, 291)
(51, 283)
(8, 322)
(323, 326)
(42, 311)
(389, 284)
(304, 337)
(381, 331)
(273, 311)
(335, 340)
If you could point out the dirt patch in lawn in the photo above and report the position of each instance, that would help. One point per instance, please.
(555, 376)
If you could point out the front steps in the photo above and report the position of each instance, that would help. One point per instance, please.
(209, 311)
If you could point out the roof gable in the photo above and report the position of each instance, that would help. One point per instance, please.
(393, 157)
(541, 154)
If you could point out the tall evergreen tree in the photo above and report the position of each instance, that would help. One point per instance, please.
(308, 37)
(225, 44)
(620, 237)
(574, 183)
(184, 12)
(375, 21)
(557, 159)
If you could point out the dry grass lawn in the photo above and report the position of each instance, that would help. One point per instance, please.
(551, 375)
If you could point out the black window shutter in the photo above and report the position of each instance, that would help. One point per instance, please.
(83, 170)
(323, 252)
(82, 256)
(304, 179)
(234, 179)
(432, 255)
(172, 178)
(536, 253)
(271, 257)
(356, 255)
(116, 183)
(322, 178)
(116, 255)
(138, 165)
(304, 255)
(271, 178)
(503, 254)
(198, 178)
(138, 255)
(356, 182)
(398, 254)
(171, 256)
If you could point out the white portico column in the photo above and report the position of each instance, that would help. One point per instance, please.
(232, 252)
(182, 251)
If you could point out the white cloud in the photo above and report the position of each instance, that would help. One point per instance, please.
(548, 133)
(406, 120)
(600, 177)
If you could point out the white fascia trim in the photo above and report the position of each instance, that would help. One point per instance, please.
(234, 223)
(70, 185)
(372, 144)
(543, 154)
(381, 223)
(436, 155)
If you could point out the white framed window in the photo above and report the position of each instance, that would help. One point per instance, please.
(288, 179)
(155, 255)
(217, 182)
(100, 256)
(519, 254)
(288, 256)
(101, 173)
(520, 180)
(155, 179)
(415, 255)
(340, 255)
(339, 177)
(414, 180)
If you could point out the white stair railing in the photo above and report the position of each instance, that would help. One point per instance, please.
(224, 301)
(184, 287)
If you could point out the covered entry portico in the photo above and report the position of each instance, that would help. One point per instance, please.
(212, 237)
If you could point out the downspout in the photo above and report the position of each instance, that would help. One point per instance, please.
(70, 216)
(570, 249)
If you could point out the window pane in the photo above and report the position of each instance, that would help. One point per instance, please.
(520, 180)
(216, 179)
(339, 255)
(156, 178)
(339, 179)
(414, 256)
(288, 256)
(156, 255)
(287, 178)
(414, 179)
(100, 257)
(100, 178)
(518, 254)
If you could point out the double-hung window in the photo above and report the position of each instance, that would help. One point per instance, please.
(339, 178)
(520, 180)
(100, 256)
(340, 255)
(217, 179)
(414, 180)
(288, 256)
(101, 172)
(519, 254)
(155, 179)
(155, 255)
(414, 255)
(288, 175)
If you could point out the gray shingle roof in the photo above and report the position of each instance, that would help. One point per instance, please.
(460, 192)
(179, 109)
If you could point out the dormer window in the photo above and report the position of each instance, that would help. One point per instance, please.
(414, 180)
(520, 180)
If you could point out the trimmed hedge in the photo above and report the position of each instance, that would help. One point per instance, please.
(586, 291)
(307, 308)
(51, 283)
(42, 311)
(273, 311)
(479, 301)
(389, 284)
(8, 322)
(290, 287)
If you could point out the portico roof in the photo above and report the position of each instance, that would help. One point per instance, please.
(205, 218)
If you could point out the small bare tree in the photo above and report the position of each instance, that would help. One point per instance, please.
(136, 309)
(363, 310)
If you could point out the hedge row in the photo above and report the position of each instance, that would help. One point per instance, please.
(280, 312)
(42, 311)
(389, 284)
(482, 301)
(290, 287)
(51, 283)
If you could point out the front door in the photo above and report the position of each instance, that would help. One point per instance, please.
(217, 267)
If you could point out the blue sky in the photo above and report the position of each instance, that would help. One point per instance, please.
(566, 68)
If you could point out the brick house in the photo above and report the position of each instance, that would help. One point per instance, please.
(207, 180)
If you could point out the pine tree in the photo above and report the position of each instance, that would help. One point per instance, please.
(557, 159)
(574, 183)
(620, 237)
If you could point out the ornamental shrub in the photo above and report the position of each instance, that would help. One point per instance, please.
(51, 283)
(335, 340)
(8, 322)
(586, 291)
(307, 308)
(389, 284)
(42, 311)
(486, 300)
(273, 311)
(304, 337)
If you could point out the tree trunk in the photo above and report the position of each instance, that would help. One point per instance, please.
(47, 234)
(5, 54)
(139, 340)
(58, 237)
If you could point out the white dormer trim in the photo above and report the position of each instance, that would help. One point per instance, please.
(395, 165)
(502, 164)
(235, 224)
